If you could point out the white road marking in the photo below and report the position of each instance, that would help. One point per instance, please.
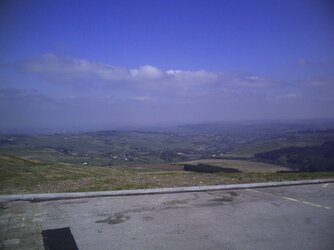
(311, 204)
(255, 191)
(290, 199)
(325, 185)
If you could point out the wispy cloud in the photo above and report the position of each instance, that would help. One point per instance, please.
(68, 70)
(99, 95)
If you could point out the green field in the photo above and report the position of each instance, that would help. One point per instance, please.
(112, 160)
(111, 148)
(100, 148)
(18, 175)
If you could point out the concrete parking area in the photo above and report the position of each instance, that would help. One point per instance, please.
(291, 217)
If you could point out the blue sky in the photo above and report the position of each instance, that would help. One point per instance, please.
(99, 64)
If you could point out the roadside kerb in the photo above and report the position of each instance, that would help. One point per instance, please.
(78, 195)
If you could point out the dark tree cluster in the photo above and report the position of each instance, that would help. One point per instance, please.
(306, 159)
(205, 168)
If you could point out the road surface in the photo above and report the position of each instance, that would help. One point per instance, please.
(293, 217)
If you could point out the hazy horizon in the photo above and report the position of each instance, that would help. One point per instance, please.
(196, 127)
(112, 64)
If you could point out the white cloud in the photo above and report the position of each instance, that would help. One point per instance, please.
(148, 94)
(73, 69)
(146, 72)
(62, 69)
(148, 82)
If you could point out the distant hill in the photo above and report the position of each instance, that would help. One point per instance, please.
(262, 126)
(309, 159)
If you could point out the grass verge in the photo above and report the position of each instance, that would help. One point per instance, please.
(18, 175)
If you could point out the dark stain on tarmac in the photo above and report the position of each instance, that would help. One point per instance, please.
(117, 218)
(223, 194)
(275, 204)
(234, 194)
(216, 202)
(147, 218)
(172, 204)
(121, 217)
(3, 205)
(307, 220)
(222, 199)
(177, 202)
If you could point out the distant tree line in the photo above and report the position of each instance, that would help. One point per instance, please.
(306, 159)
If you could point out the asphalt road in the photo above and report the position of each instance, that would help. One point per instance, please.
(295, 217)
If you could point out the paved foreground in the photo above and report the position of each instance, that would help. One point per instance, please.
(295, 217)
